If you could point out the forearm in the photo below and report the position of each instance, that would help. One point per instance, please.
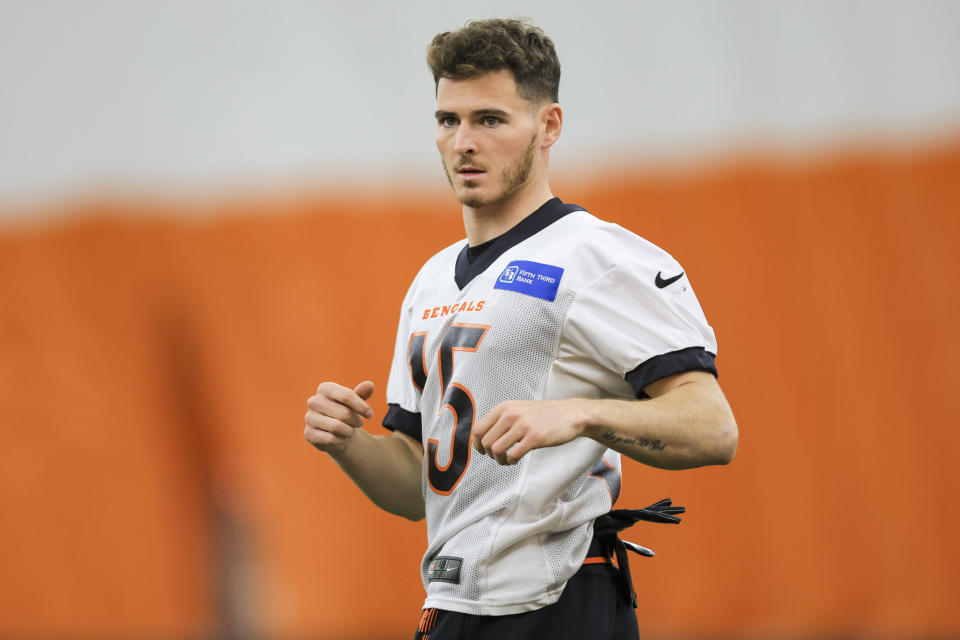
(387, 469)
(691, 426)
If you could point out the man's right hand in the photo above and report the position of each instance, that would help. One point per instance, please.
(335, 413)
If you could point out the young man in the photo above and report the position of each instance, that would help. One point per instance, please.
(528, 358)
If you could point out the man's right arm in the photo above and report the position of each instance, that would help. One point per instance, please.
(386, 468)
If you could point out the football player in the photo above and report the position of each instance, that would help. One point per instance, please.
(528, 358)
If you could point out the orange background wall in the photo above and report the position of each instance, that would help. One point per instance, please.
(153, 372)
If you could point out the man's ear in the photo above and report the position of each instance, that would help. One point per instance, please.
(550, 121)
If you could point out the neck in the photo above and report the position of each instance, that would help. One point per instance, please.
(488, 222)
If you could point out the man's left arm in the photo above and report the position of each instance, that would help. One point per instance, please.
(685, 423)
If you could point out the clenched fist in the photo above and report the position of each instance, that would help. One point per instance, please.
(334, 413)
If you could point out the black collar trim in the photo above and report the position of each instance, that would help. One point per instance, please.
(551, 211)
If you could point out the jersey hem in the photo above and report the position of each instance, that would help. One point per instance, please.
(489, 609)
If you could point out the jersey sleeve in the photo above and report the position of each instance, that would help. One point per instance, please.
(639, 322)
(403, 398)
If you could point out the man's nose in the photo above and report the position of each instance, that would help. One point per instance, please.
(464, 141)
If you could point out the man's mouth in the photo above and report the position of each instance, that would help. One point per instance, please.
(469, 171)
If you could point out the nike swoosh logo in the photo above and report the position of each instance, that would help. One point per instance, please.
(661, 283)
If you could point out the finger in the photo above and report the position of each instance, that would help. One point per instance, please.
(326, 423)
(365, 389)
(482, 426)
(499, 429)
(498, 450)
(328, 407)
(322, 439)
(520, 449)
(349, 398)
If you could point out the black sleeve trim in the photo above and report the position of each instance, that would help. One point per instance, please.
(667, 364)
(408, 422)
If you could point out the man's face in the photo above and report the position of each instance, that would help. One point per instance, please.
(487, 137)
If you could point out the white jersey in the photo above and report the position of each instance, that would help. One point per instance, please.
(563, 305)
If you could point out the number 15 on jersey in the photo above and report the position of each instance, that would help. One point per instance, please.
(443, 479)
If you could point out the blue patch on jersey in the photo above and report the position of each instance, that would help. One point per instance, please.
(531, 278)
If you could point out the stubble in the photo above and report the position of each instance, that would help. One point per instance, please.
(512, 177)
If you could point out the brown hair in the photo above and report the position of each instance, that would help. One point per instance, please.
(483, 46)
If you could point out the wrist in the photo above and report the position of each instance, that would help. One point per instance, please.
(338, 452)
(589, 419)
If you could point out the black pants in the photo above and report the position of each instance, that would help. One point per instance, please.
(591, 607)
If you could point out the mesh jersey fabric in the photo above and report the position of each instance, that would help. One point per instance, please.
(522, 531)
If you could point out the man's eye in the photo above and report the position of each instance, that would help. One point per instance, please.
(448, 121)
(491, 121)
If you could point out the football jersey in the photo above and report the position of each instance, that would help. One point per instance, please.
(563, 305)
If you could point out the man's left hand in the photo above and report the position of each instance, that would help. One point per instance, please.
(513, 428)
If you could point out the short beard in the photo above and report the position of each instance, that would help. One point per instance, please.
(513, 177)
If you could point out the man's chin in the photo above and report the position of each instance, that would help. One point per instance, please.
(472, 202)
(468, 198)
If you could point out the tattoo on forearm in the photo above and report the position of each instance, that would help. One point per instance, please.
(654, 445)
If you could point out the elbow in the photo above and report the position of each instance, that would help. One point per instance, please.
(413, 517)
(725, 441)
(411, 512)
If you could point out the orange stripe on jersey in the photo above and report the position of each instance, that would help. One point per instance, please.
(597, 560)
(427, 621)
